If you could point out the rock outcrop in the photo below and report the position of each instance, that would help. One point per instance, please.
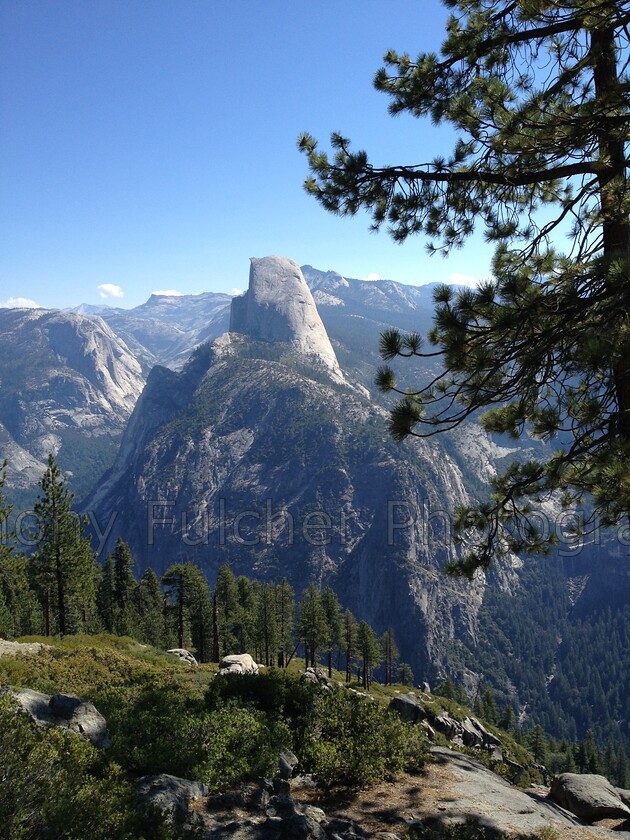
(589, 796)
(66, 711)
(183, 655)
(169, 794)
(278, 307)
(452, 790)
(238, 663)
(468, 732)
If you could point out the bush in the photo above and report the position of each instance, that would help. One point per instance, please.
(162, 731)
(276, 691)
(55, 785)
(353, 740)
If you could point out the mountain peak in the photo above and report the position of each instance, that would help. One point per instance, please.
(279, 307)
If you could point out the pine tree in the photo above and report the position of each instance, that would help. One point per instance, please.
(349, 641)
(537, 95)
(199, 612)
(369, 650)
(390, 654)
(105, 595)
(126, 618)
(285, 611)
(245, 625)
(266, 622)
(63, 566)
(537, 744)
(174, 583)
(313, 628)
(332, 609)
(489, 707)
(227, 609)
(18, 606)
(188, 595)
(149, 601)
(622, 775)
(404, 674)
(506, 721)
(446, 689)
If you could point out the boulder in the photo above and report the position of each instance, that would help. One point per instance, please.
(170, 794)
(184, 655)
(624, 795)
(13, 648)
(590, 797)
(408, 707)
(475, 734)
(66, 711)
(315, 675)
(287, 763)
(238, 663)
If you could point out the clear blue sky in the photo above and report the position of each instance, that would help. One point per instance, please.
(151, 145)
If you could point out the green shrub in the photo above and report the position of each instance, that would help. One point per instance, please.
(353, 740)
(55, 785)
(276, 691)
(160, 730)
(239, 744)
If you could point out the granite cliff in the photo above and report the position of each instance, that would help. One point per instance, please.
(68, 385)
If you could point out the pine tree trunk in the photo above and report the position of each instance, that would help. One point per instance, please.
(215, 630)
(61, 599)
(615, 227)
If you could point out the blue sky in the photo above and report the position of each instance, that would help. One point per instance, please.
(151, 146)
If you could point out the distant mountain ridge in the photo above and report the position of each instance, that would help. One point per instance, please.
(67, 385)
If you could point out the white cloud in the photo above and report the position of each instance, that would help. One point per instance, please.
(463, 279)
(236, 292)
(18, 303)
(373, 277)
(168, 293)
(110, 290)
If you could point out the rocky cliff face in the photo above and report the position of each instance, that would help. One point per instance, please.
(278, 307)
(67, 386)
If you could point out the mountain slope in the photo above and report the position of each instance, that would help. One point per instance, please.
(68, 386)
(258, 455)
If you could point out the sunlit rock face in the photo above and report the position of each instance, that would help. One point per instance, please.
(279, 307)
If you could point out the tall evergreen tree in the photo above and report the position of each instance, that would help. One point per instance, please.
(537, 744)
(18, 605)
(332, 610)
(149, 600)
(189, 596)
(227, 609)
(404, 674)
(285, 611)
(245, 626)
(537, 94)
(125, 583)
(390, 654)
(174, 583)
(63, 564)
(266, 622)
(105, 595)
(369, 650)
(313, 628)
(349, 641)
